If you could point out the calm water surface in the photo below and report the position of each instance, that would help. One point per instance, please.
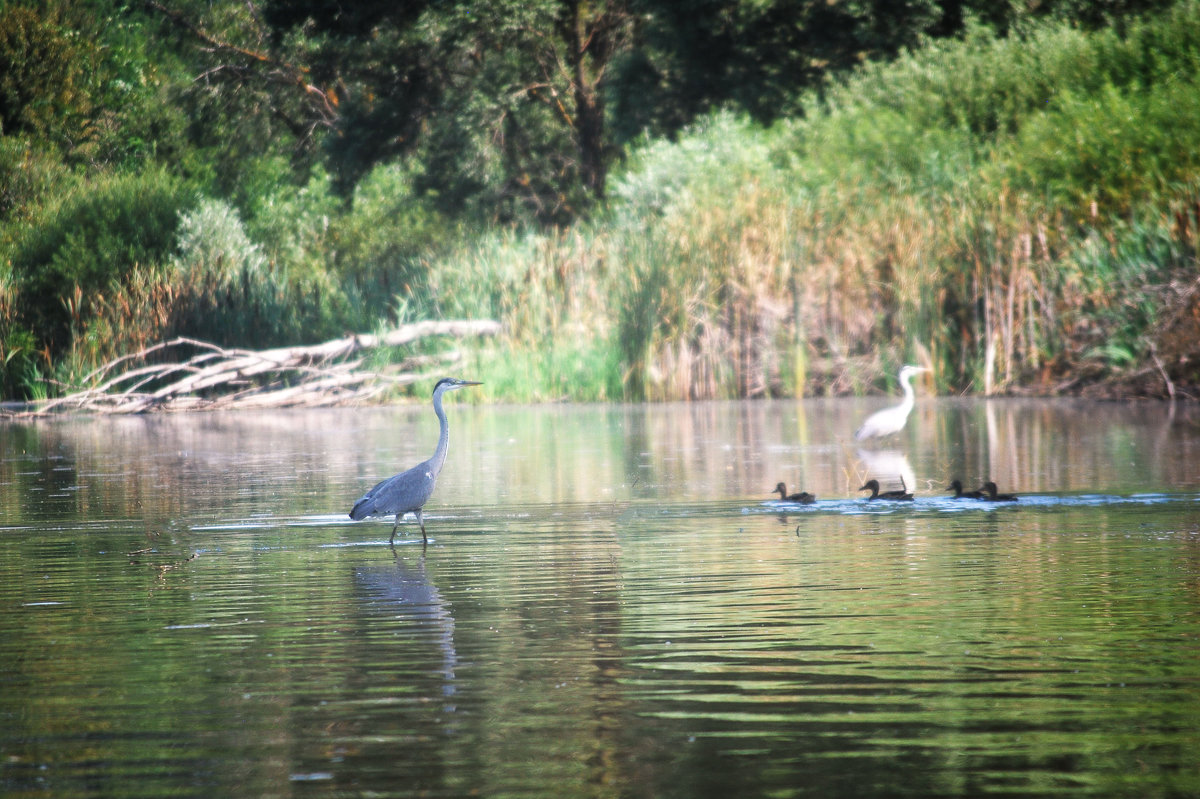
(610, 605)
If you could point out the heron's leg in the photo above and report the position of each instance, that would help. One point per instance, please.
(421, 521)
(395, 526)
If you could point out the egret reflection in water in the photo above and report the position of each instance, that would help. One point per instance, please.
(890, 467)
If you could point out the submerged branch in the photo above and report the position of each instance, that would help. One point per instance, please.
(204, 376)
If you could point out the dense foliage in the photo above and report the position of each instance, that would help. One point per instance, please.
(710, 198)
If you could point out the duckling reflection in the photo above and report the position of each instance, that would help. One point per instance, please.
(989, 489)
(406, 593)
(957, 487)
(804, 498)
(873, 487)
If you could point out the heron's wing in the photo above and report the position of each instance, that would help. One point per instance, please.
(402, 493)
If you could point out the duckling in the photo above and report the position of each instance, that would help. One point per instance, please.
(873, 487)
(804, 498)
(989, 488)
(957, 488)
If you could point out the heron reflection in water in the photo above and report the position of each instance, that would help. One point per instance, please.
(406, 595)
(408, 491)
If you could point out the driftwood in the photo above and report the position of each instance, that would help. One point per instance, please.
(205, 376)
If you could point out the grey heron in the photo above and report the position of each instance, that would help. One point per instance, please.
(989, 489)
(408, 491)
(957, 488)
(804, 498)
(873, 487)
(891, 420)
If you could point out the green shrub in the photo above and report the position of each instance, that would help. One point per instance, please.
(708, 161)
(382, 245)
(290, 223)
(1115, 148)
(218, 286)
(1121, 279)
(90, 240)
(990, 86)
(21, 366)
(213, 243)
(43, 77)
(29, 173)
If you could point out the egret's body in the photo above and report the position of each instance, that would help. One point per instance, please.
(892, 420)
(804, 498)
(989, 490)
(873, 487)
(957, 488)
(408, 491)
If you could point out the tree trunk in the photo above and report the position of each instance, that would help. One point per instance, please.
(593, 34)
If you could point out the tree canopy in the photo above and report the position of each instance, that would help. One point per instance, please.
(515, 110)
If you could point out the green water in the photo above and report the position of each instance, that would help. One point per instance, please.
(610, 605)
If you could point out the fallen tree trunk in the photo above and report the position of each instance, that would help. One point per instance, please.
(206, 376)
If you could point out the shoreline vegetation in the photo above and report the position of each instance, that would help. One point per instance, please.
(1020, 213)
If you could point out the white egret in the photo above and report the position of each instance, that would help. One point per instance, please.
(891, 420)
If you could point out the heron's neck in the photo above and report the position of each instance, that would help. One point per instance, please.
(439, 454)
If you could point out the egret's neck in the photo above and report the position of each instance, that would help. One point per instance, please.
(910, 397)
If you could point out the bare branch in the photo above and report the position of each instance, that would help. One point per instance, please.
(206, 376)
